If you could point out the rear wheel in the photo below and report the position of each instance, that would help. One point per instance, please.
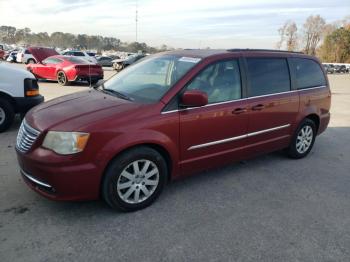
(92, 81)
(31, 61)
(62, 78)
(7, 114)
(134, 179)
(303, 139)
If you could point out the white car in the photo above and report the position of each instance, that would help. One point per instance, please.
(82, 54)
(19, 92)
(24, 56)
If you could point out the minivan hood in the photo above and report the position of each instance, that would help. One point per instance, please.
(41, 53)
(74, 112)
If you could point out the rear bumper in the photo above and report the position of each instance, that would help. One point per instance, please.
(324, 121)
(24, 104)
(86, 77)
(59, 177)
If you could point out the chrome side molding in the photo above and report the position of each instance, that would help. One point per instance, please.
(34, 180)
(226, 140)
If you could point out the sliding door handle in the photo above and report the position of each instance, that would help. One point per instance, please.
(239, 111)
(258, 107)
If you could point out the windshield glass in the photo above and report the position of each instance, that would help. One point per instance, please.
(148, 80)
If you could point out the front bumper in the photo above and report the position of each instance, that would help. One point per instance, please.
(59, 177)
(24, 104)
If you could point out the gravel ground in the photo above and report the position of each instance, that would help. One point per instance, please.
(270, 208)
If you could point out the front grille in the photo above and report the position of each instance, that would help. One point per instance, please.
(26, 137)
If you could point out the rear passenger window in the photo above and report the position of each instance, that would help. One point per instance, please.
(268, 76)
(78, 54)
(221, 81)
(308, 73)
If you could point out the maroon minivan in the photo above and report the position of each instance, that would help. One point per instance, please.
(170, 115)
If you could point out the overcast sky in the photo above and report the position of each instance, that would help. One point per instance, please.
(178, 23)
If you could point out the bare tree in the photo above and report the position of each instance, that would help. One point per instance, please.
(313, 33)
(281, 32)
(288, 35)
(292, 36)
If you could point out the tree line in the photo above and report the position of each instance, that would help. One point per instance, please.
(24, 36)
(330, 42)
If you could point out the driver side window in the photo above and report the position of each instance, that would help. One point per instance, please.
(221, 81)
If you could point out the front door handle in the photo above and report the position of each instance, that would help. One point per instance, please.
(258, 107)
(239, 111)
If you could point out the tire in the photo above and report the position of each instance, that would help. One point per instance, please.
(92, 82)
(62, 78)
(31, 61)
(303, 139)
(121, 183)
(7, 114)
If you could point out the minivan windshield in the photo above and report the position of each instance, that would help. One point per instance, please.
(149, 79)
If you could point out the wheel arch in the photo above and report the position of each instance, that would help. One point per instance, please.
(159, 148)
(316, 119)
(8, 98)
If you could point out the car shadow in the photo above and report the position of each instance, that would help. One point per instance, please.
(78, 83)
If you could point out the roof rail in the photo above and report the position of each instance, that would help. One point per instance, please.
(262, 50)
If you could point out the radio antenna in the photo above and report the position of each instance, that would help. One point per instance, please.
(136, 20)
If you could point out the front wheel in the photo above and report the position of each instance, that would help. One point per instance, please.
(134, 179)
(7, 114)
(303, 139)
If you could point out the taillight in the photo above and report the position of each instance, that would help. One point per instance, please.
(31, 87)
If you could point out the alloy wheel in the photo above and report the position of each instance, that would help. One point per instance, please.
(61, 78)
(138, 181)
(304, 139)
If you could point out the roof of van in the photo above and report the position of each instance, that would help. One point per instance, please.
(210, 52)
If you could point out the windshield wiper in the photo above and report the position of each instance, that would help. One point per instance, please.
(117, 93)
(113, 92)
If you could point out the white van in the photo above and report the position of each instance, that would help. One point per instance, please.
(19, 92)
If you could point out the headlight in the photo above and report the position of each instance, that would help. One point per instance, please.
(65, 143)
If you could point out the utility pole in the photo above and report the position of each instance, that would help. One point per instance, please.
(136, 20)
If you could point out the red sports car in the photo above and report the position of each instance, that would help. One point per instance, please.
(64, 69)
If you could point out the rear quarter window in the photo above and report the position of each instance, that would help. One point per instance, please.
(308, 73)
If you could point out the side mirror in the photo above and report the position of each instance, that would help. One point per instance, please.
(194, 98)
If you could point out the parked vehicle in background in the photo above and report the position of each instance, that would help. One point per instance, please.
(104, 61)
(120, 64)
(2, 52)
(24, 56)
(328, 68)
(12, 57)
(91, 53)
(19, 92)
(171, 115)
(340, 69)
(81, 54)
(63, 69)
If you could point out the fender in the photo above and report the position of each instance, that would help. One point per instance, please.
(141, 137)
